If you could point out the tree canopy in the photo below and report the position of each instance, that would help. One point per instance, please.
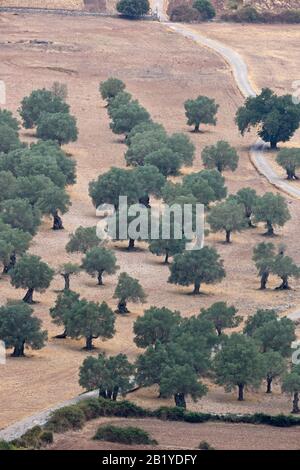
(276, 117)
(228, 216)
(99, 261)
(197, 267)
(201, 110)
(220, 156)
(222, 316)
(128, 289)
(271, 209)
(19, 328)
(133, 8)
(289, 159)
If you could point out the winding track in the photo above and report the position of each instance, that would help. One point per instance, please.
(240, 73)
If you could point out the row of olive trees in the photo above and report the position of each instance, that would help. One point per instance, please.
(33, 178)
(181, 352)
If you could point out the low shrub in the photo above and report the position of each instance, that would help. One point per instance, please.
(68, 417)
(46, 437)
(251, 15)
(205, 8)
(92, 408)
(127, 409)
(192, 417)
(127, 435)
(30, 439)
(170, 414)
(205, 446)
(185, 14)
(7, 446)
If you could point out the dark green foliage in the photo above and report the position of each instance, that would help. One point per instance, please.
(99, 261)
(228, 216)
(222, 316)
(271, 209)
(238, 364)
(63, 307)
(65, 419)
(9, 139)
(204, 445)
(289, 159)
(151, 364)
(6, 117)
(284, 267)
(111, 376)
(39, 102)
(179, 381)
(13, 242)
(276, 116)
(156, 325)
(133, 8)
(110, 88)
(18, 327)
(33, 274)
(220, 156)
(143, 143)
(125, 435)
(197, 267)
(90, 320)
(126, 116)
(84, 239)
(291, 385)
(115, 183)
(128, 289)
(205, 9)
(202, 110)
(247, 197)
(263, 257)
(59, 127)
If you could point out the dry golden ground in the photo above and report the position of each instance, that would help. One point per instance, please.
(170, 435)
(162, 70)
(66, 4)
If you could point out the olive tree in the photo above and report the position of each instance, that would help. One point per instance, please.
(222, 316)
(82, 240)
(220, 156)
(289, 159)
(19, 328)
(67, 270)
(197, 267)
(271, 209)
(202, 110)
(228, 216)
(60, 127)
(33, 274)
(291, 385)
(128, 289)
(263, 257)
(100, 260)
(110, 88)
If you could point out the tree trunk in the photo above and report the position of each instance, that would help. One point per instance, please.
(270, 228)
(180, 400)
(241, 392)
(19, 350)
(100, 280)
(273, 144)
(197, 286)
(28, 298)
(197, 127)
(62, 335)
(115, 393)
(220, 168)
(131, 244)
(285, 283)
(89, 343)
(122, 307)
(167, 257)
(228, 233)
(11, 264)
(57, 222)
(263, 280)
(269, 384)
(67, 281)
(102, 393)
(296, 403)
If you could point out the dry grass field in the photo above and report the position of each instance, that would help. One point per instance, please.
(163, 71)
(184, 436)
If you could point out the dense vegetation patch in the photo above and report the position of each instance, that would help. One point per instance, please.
(127, 435)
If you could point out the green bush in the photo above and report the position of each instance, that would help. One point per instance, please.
(192, 417)
(127, 435)
(92, 408)
(205, 9)
(205, 446)
(68, 417)
(170, 414)
(251, 15)
(127, 409)
(184, 13)
(46, 437)
(30, 439)
(133, 8)
(6, 446)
